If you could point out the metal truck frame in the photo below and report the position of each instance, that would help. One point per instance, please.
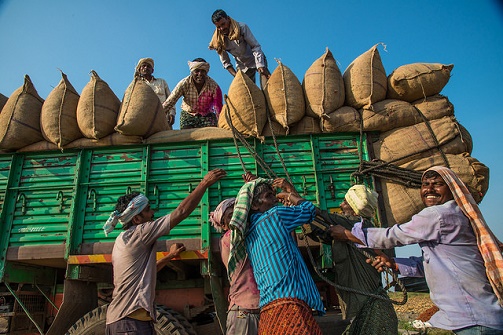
(55, 262)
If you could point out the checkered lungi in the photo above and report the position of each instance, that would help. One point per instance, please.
(287, 316)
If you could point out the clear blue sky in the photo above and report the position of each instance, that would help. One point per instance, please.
(39, 37)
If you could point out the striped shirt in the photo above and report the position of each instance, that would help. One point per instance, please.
(278, 266)
(209, 100)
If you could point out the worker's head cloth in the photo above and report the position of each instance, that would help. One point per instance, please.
(362, 200)
(135, 206)
(199, 65)
(218, 213)
(489, 246)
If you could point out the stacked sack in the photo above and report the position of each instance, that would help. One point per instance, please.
(416, 125)
(95, 118)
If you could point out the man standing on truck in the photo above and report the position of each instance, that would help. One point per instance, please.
(288, 293)
(243, 311)
(144, 70)
(237, 39)
(202, 97)
(134, 256)
(462, 258)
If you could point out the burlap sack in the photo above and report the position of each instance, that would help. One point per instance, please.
(141, 112)
(389, 114)
(401, 202)
(284, 96)
(189, 135)
(110, 140)
(434, 107)
(344, 119)
(308, 125)
(40, 146)
(323, 86)
(97, 109)
(222, 118)
(274, 128)
(419, 80)
(405, 144)
(20, 118)
(246, 105)
(58, 119)
(3, 101)
(365, 80)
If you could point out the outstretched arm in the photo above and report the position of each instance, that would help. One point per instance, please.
(190, 203)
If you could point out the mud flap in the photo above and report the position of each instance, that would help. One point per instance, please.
(79, 298)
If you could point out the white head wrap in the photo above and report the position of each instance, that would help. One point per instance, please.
(362, 200)
(135, 206)
(218, 213)
(199, 65)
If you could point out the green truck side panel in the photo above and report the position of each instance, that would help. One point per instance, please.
(55, 198)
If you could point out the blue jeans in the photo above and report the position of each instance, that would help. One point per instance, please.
(478, 330)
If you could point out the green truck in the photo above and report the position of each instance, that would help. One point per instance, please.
(55, 262)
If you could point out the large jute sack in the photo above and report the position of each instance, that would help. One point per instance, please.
(141, 112)
(308, 125)
(39, 146)
(274, 128)
(58, 118)
(401, 202)
(344, 119)
(323, 86)
(97, 109)
(247, 107)
(110, 140)
(20, 118)
(434, 107)
(408, 143)
(419, 80)
(284, 96)
(365, 80)
(188, 135)
(3, 101)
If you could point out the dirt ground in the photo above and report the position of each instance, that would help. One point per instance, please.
(417, 307)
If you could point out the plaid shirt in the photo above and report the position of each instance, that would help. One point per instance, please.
(209, 100)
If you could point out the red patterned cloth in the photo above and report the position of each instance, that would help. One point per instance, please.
(287, 316)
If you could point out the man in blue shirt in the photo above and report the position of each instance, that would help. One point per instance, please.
(288, 293)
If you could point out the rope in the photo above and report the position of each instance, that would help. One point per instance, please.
(352, 290)
(269, 172)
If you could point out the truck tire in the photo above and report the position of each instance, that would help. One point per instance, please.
(161, 309)
(93, 323)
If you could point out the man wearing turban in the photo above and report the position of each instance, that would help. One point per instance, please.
(144, 70)
(134, 256)
(462, 259)
(237, 39)
(202, 97)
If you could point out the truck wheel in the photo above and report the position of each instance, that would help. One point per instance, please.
(93, 323)
(161, 309)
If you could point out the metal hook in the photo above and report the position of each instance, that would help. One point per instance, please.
(23, 204)
(61, 199)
